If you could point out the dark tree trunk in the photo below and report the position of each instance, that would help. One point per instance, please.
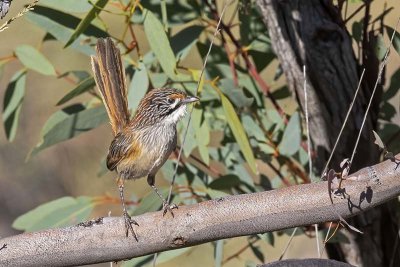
(312, 33)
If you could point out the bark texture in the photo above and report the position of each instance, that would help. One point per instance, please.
(312, 33)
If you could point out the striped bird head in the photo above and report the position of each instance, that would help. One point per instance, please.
(162, 105)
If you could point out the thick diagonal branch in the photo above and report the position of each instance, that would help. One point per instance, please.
(104, 240)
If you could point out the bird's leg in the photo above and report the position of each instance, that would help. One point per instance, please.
(166, 205)
(128, 220)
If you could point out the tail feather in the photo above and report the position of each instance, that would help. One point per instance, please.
(109, 74)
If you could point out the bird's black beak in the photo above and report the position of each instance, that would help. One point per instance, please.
(190, 99)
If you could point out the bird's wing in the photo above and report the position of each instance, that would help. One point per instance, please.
(124, 146)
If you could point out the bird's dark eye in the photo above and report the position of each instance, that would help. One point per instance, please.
(170, 101)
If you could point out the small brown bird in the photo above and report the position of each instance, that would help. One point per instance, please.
(142, 144)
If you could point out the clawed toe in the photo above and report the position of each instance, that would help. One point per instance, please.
(128, 226)
(167, 207)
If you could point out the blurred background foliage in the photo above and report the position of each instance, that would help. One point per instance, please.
(240, 140)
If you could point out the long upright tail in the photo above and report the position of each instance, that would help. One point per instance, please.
(109, 74)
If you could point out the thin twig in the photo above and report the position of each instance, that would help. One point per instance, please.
(288, 243)
(343, 125)
(231, 58)
(383, 64)
(309, 146)
(240, 251)
(326, 238)
(317, 238)
(307, 125)
(20, 14)
(197, 90)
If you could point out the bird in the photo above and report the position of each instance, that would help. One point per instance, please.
(4, 7)
(143, 142)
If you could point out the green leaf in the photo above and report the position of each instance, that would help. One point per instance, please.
(267, 237)
(225, 182)
(290, 142)
(138, 86)
(380, 47)
(257, 252)
(235, 94)
(169, 255)
(57, 213)
(357, 30)
(192, 137)
(216, 193)
(205, 156)
(161, 47)
(68, 123)
(82, 87)
(62, 25)
(387, 111)
(238, 132)
(151, 202)
(59, 31)
(396, 39)
(393, 87)
(138, 262)
(70, 6)
(203, 139)
(219, 253)
(33, 59)
(184, 40)
(84, 24)
(12, 104)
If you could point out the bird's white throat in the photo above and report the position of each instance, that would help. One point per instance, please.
(175, 116)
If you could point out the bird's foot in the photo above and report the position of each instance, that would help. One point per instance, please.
(169, 207)
(128, 225)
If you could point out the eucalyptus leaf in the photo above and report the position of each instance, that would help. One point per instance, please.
(393, 87)
(81, 88)
(184, 40)
(150, 202)
(268, 237)
(57, 213)
(43, 18)
(161, 47)
(34, 60)
(172, 254)
(68, 123)
(216, 193)
(137, 262)
(252, 128)
(357, 30)
(396, 39)
(84, 24)
(192, 137)
(205, 156)
(138, 86)
(238, 132)
(291, 139)
(387, 111)
(219, 253)
(380, 47)
(74, 6)
(235, 94)
(12, 104)
(225, 182)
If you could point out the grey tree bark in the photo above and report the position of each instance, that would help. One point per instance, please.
(312, 33)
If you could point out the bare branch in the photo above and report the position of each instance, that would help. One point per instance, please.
(227, 217)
